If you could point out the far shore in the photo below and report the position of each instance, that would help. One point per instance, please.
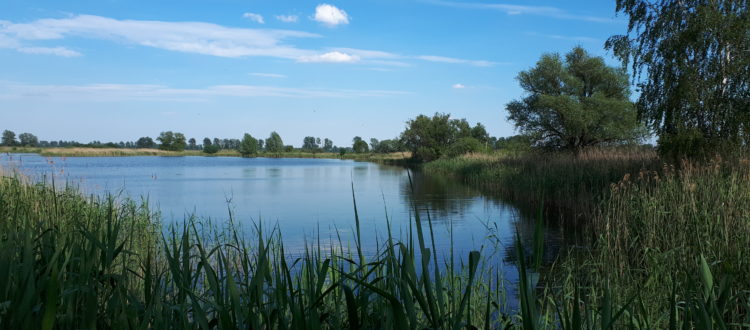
(123, 152)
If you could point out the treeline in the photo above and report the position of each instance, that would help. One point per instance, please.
(426, 137)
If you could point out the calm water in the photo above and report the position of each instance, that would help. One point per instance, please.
(301, 196)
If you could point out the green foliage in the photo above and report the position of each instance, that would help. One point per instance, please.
(428, 138)
(28, 140)
(145, 142)
(387, 146)
(248, 146)
(514, 144)
(575, 103)
(172, 141)
(9, 138)
(464, 145)
(274, 143)
(211, 149)
(72, 262)
(288, 148)
(359, 146)
(691, 58)
(327, 145)
(310, 143)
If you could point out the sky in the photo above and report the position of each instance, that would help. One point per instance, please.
(116, 70)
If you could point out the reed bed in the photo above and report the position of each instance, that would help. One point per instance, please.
(70, 261)
(569, 186)
(657, 224)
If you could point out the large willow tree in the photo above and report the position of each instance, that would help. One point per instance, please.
(691, 59)
(574, 102)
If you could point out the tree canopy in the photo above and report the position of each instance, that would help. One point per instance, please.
(310, 143)
(274, 143)
(575, 102)
(145, 142)
(28, 140)
(692, 62)
(248, 146)
(428, 138)
(172, 141)
(359, 146)
(9, 138)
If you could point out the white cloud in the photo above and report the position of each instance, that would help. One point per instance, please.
(258, 18)
(58, 51)
(144, 92)
(458, 86)
(189, 37)
(193, 37)
(330, 15)
(287, 18)
(562, 37)
(268, 75)
(443, 59)
(512, 9)
(331, 57)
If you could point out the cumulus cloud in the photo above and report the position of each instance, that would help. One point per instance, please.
(258, 18)
(287, 18)
(331, 57)
(458, 86)
(330, 15)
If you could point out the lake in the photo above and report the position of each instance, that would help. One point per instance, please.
(306, 198)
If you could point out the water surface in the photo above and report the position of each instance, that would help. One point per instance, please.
(306, 198)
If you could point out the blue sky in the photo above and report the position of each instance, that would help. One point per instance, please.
(115, 70)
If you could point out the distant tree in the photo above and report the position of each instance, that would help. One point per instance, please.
(210, 149)
(217, 143)
(248, 146)
(692, 61)
(480, 134)
(575, 103)
(387, 146)
(261, 144)
(429, 137)
(288, 148)
(309, 143)
(180, 143)
(327, 145)
(191, 144)
(463, 146)
(144, 142)
(206, 142)
(9, 138)
(172, 141)
(359, 146)
(28, 140)
(274, 143)
(374, 144)
(513, 143)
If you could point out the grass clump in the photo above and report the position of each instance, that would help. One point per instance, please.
(657, 225)
(69, 261)
(570, 186)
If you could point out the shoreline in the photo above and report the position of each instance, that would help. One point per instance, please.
(397, 158)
